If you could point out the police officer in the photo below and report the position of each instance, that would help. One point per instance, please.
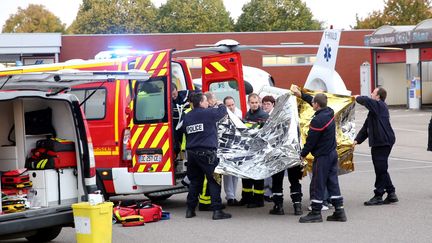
(204, 199)
(253, 190)
(321, 142)
(201, 145)
(378, 129)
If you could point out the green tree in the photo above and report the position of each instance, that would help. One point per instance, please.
(35, 18)
(115, 17)
(397, 12)
(194, 16)
(276, 15)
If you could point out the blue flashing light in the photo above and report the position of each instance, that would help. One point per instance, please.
(117, 53)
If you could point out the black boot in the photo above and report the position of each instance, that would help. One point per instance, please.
(257, 201)
(204, 207)
(190, 213)
(312, 217)
(338, 215)
(207, 207)
(376, 200)
(297, 208)
(391, 198)
(277, 209)
(219, 214)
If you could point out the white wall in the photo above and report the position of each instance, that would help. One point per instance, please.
(392, 78)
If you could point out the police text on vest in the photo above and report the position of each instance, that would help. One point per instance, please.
(195, 128)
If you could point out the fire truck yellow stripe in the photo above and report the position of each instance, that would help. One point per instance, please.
(146, 137)
(127, 91)
(207, 71)
(162, 72)
(150, 72)
(134, 161)
(146, 62)
(102, 152)
(158, 60)
(165, 65)
(165, 147)
(55, 66)
(218, 66)
(136, 135)
(141, 168)
(154, 166)
(137, 61)
(116, 118)
(167, 165)
(158, 137)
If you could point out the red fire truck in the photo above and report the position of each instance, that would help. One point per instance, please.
(131, 122)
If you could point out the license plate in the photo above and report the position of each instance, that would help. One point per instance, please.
(150, 158)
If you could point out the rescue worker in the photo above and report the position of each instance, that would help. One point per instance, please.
(201, 145)
(230, 181)
(177, 103)
(321, 142)
(253, 190)
(378, 129)
(204, 200)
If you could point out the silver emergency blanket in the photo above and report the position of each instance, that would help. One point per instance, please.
(260, 153)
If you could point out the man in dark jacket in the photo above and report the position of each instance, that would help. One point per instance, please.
(321, 142)
(381, 139)
(253, 190)
(201, 146)
(429, 148)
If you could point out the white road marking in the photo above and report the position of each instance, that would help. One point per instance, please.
(410, 130)
(395, 169)
(399, 159)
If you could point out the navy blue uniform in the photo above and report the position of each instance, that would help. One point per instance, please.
(321, 142)
(253, 190)
(381, 139)
(201, 144)
(429, 147)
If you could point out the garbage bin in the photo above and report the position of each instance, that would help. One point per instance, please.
(93, 223)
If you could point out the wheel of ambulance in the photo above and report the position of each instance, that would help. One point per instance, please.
(45, 235)
(158, 198)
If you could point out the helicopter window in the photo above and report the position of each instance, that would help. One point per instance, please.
(150, 105)
(224, 89)
(193, 62)
(286, 60)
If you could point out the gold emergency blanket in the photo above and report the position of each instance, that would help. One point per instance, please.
(260, 153)
(343, 107)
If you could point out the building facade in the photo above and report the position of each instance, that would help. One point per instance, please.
(406, 73)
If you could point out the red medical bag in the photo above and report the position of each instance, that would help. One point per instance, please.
(52, 153)
(150, 212)
(14, 177)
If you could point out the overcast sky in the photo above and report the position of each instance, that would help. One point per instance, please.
(339, 13)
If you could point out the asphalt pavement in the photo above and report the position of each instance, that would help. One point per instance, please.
(409, 220)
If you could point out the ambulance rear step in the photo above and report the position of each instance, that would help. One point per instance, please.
(168, 191)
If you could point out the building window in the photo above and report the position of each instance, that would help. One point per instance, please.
(193, 62)
(286, 60)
